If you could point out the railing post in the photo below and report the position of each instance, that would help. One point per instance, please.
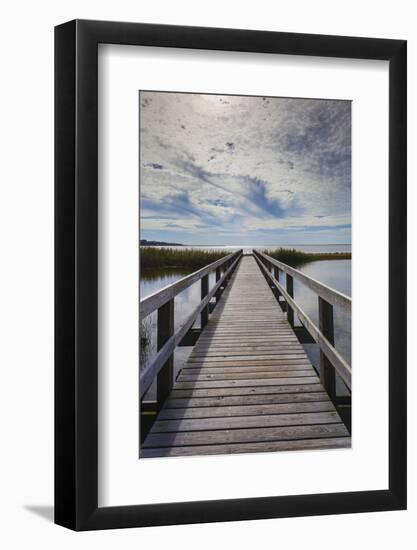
(226, 267)
(218, 275)
(165, 330)
(204, 292)
(290, 290)
(228, 264)
(326, 326)
(271, 270)
(276, 275)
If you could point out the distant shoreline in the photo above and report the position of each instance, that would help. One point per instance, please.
(145, 242)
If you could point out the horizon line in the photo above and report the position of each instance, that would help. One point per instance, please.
(260, 244)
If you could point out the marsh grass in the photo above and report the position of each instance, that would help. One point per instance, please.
(170, 258)
(296, 258)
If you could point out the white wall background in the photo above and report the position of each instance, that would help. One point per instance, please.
(26, 289)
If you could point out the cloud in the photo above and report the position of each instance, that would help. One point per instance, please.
(222, 167)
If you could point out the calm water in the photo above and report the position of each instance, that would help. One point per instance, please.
(334, 273)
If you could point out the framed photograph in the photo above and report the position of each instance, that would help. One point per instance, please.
(230, 235)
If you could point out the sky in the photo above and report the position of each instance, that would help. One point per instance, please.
(241, 170)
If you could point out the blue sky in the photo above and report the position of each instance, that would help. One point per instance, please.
(235, 170)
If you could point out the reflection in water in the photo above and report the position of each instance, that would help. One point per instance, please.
(334, 273)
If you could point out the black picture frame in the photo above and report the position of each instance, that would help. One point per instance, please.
(76, 272)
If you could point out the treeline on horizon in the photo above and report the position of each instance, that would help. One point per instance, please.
(188, 258)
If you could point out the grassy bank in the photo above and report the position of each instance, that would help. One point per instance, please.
(296, 258)
(187, 258)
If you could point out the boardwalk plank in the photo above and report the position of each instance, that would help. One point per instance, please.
(250, 421)
(245, 410)
(239, 400)
(201, 376)
(262, 447)
(300, 387)
(278, 362)
(207, 384)
(215, 351)
(245, 435)
(259, 369)
(258, 356)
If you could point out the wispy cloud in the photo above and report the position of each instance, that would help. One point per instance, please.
(221, 169)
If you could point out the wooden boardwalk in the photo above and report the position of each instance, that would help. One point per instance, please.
(248, 385)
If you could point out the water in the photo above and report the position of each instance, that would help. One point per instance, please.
(334, 273)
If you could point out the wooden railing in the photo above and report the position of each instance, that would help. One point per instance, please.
(161, 367)
(323, 335)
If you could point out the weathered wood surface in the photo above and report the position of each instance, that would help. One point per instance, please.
(260, 447)
(248, 385)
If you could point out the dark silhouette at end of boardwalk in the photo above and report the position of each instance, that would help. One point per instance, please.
(248, 385)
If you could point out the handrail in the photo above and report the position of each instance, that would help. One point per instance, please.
(326, 347)
(148, 374)
(329, 294)
(160, 297)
